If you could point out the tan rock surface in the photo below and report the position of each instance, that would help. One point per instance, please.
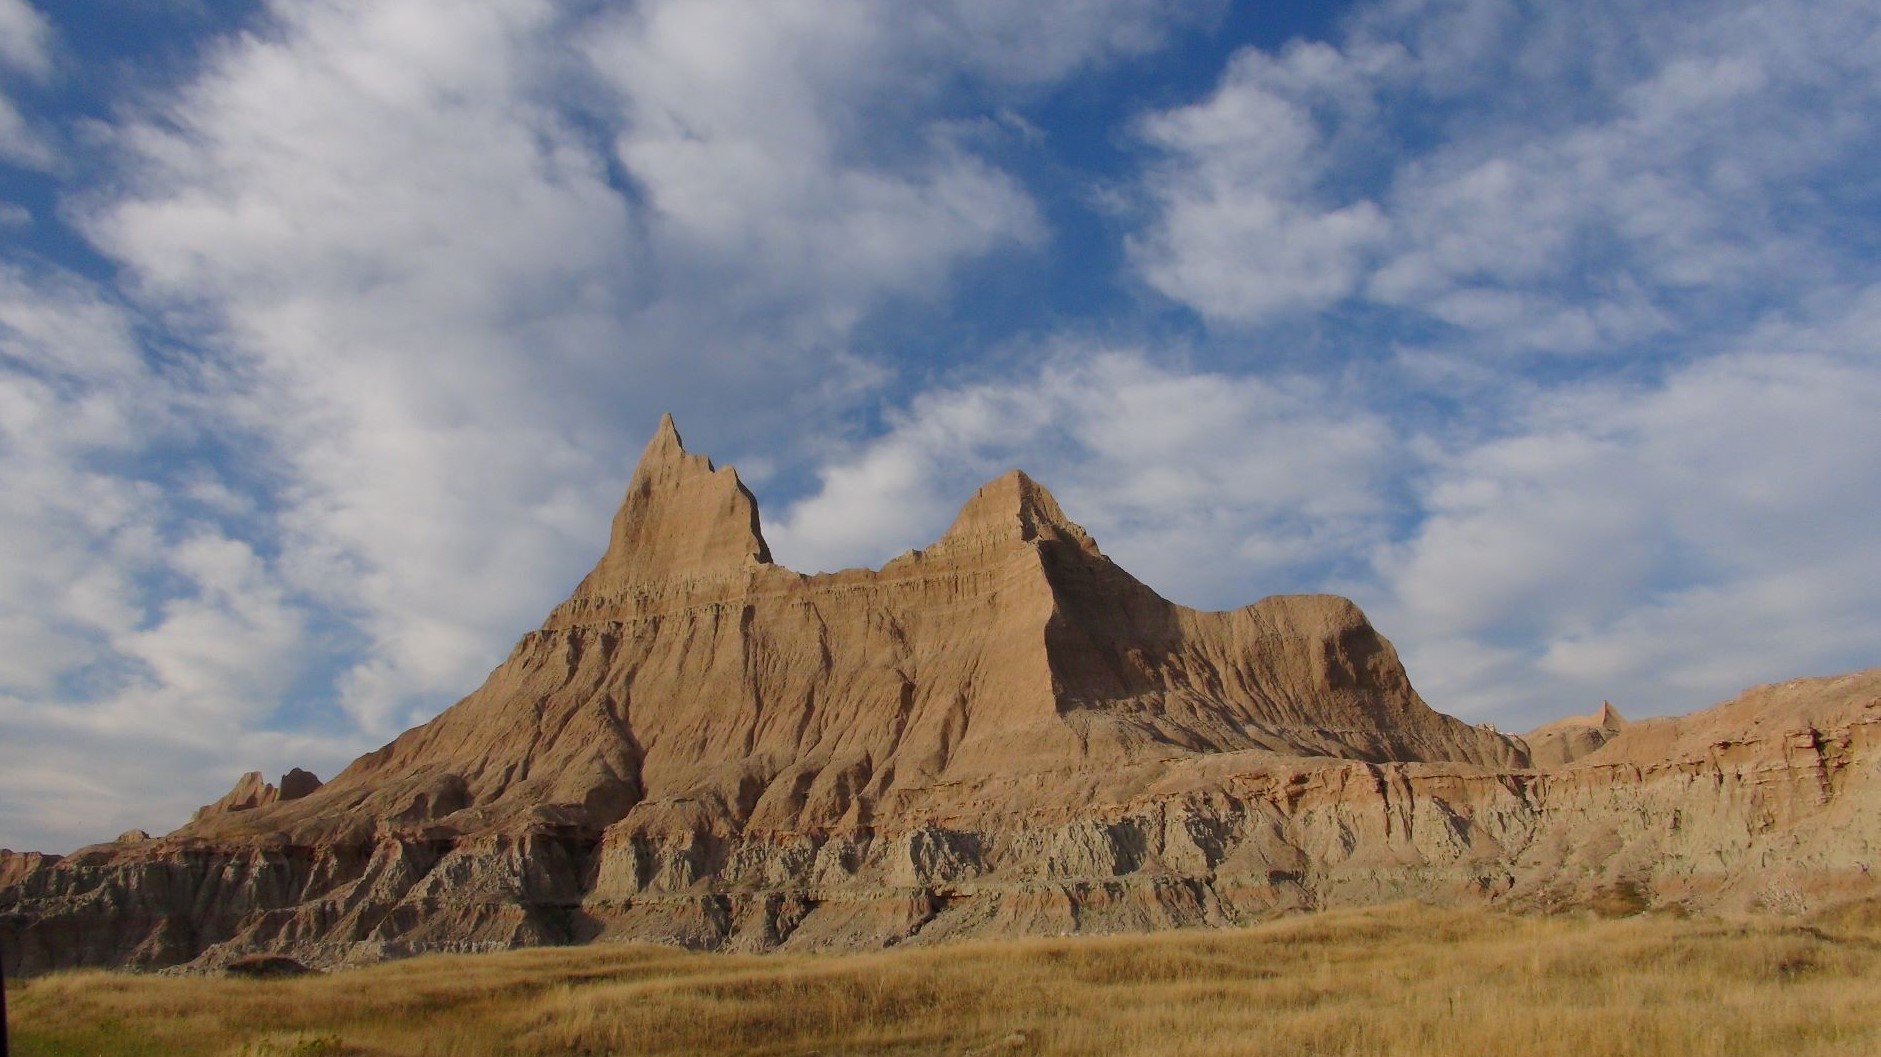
(1567, 740)
(1004, 732)
(249, 793)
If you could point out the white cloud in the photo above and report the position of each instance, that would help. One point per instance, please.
(1244, 230)
(740, 127)
(1212, 488)
(137, 638)
(1547, 179)
(413, 264)
(1659, 545)
(809, 152)
(19, 143)
(230, 640)
(1662, 527)
(25, 40)
(1043, 42)
(26, 51)
(73, 394)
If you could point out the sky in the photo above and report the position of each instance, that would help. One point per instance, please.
(330, 331)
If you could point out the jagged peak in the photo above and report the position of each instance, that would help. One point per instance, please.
(1014, 507)
(665, 443)
(1606, 718)
(681, 518)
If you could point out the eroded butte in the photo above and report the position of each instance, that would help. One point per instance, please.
(1003, 733)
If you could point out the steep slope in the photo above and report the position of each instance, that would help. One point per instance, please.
(686, 669)
(1003, 731)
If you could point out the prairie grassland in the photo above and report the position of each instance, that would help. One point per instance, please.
(1406, 981)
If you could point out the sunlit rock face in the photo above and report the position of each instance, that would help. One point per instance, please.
(1001, 733)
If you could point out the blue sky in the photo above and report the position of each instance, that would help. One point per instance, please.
(330, 330)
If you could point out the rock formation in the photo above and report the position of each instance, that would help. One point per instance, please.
(1003, 732)
(1567, 740)
(251, 792)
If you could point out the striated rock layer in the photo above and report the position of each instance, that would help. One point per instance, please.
(1002, 733)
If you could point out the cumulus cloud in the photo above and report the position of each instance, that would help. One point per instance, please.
(73, 392)
(1245, 228)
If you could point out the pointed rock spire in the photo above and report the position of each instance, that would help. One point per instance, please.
(682, 518)
(1609, 718)
(1013, 507)
(665, 441)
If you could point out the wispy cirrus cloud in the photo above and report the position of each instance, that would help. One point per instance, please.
(26, 55)
(1537, 180)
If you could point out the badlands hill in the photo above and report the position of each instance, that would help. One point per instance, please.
(1003, 732)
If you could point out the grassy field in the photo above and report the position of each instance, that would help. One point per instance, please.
(1402, 980)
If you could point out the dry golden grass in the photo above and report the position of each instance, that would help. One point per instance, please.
(1406, 981)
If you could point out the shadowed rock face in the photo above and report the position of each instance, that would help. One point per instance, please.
(1002, 732)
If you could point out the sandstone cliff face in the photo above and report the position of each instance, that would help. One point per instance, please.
(1002, 732)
